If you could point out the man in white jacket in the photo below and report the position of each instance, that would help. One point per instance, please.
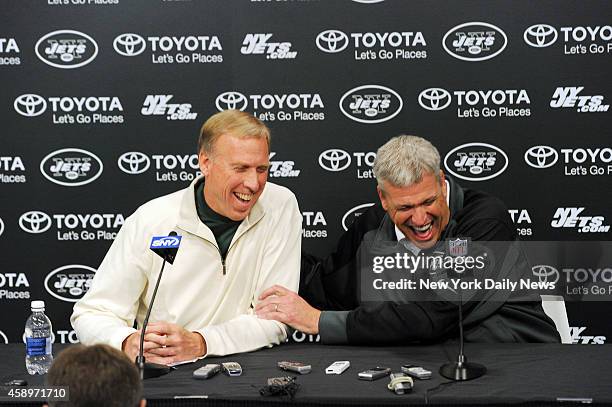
(240, 235)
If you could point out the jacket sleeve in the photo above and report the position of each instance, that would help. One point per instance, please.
(107, 311)
(331, 283)
(280, 265)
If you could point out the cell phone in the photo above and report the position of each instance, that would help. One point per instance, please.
(338, 367)
(416, 372)
(374, 373)
(206, 371)
(297, 367)
(232, 368)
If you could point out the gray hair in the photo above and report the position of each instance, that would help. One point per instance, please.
(403, 160)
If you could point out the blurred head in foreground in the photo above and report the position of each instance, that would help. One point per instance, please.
(97, 375)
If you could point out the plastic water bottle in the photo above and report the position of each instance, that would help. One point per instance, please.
(39, 354)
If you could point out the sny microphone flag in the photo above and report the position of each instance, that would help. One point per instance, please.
(166, 246)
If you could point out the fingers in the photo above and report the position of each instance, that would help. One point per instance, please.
(162, 360)
(148, 346)
(273, 315)
(161, 340)
(166, 343)
(163, 351)
(266, 302)
(161, 327)
(277, 290)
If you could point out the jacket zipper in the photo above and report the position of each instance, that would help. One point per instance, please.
(223, 263)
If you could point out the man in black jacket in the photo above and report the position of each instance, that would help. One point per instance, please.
(420, 207)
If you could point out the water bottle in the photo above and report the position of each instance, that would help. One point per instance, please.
(39, 354)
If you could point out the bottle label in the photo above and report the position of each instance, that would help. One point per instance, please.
(38, 346)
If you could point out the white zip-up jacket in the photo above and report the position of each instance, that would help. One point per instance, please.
(194, 292)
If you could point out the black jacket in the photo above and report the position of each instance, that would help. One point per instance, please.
(332, 284)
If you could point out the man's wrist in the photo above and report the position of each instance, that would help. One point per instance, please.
(201, 344)
(317, 318)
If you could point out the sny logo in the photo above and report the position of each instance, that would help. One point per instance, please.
(165, 242)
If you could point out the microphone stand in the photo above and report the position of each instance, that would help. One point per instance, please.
(462, 370)
(150, 370)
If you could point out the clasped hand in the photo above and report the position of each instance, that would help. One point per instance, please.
(166, 343)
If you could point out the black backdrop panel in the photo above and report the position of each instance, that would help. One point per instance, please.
(515, 95)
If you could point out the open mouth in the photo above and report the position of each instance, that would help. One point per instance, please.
(243, 197)
(422, 232)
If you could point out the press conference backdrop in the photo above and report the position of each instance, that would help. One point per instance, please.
(102, 101)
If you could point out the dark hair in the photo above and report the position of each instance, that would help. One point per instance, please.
(97, 375)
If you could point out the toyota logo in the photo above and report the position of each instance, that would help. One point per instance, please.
(133, 162)
(545, 273)
(231, 100)
(541, 156)
(543, 34)
(334, 160)
(129, 44)
(332, 41)
(30, 105)
(434, 99)
(35, 222)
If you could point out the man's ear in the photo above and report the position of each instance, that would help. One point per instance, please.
(443, 183)
(381, 196)
(143, 403)
(204, 163)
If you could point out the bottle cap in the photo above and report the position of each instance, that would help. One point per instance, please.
(37, 305)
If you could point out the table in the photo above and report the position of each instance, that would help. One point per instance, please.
(526, 374)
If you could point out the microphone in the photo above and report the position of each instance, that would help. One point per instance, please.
(461, 370)
(165, 247)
